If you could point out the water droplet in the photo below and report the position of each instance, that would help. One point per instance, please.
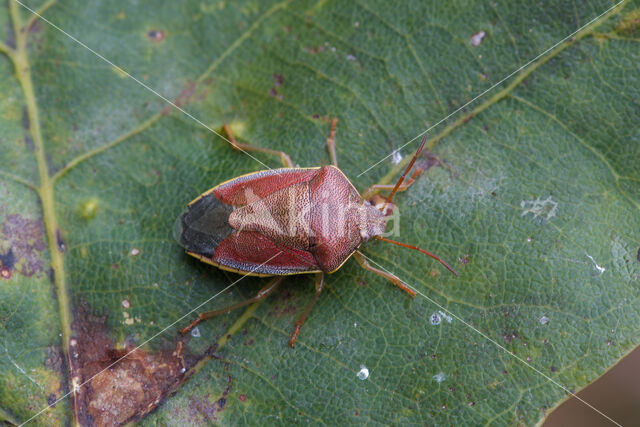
(134, 252)
(363, 373)
(195, 332)
(477, 38)
(544, 320)
(125, 303)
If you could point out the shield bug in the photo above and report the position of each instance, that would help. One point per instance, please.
(288, 221)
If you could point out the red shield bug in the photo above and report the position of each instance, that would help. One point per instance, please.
(288, 221)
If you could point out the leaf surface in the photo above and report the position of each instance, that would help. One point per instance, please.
(531, 192)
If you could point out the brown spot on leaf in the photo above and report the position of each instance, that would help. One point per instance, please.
(35, 27)
(23, 239)
(277, 81)
(201, 408)
(508, 337)
(51, 400)
(122, 384)
(182, 99)
(206, 407)
(156, 35)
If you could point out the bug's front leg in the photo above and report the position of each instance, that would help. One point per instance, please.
(286, 160)
(303, 316)
(375, 188)
(390, 277)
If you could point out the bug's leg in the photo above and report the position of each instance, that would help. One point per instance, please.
(303, 316)
(331, 143)
(390, 277)
(375, 188)
(286, 160)
(262, 294)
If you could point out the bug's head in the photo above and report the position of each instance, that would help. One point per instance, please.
(371, 221)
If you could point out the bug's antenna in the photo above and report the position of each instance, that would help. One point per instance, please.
(406, 171)
(404, 245)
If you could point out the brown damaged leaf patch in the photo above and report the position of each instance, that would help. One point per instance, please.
(119, 389)
(22, 244)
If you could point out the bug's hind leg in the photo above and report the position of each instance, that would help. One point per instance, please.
(390, 277)
(286, 160)
(303, 316)
(331, 143)
(262, 294)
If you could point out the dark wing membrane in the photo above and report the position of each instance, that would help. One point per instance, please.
(203, 225)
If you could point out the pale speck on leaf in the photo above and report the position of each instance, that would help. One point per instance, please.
(396, 157)
(435, 319)
(477, 38)
(543, 209)
(363, 373)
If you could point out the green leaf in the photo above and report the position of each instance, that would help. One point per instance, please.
(533, 189)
